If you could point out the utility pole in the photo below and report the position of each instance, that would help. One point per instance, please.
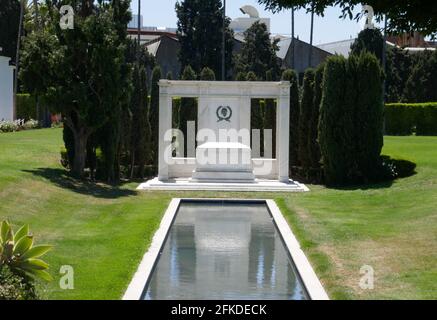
(384, 59)
(224, 42)
(292, 38)
(311, 37)
(139, 25)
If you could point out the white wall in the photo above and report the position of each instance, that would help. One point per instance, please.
(6, 89)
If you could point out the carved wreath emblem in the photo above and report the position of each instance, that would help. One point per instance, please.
(224, 113)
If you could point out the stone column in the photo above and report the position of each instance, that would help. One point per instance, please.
(282, 130)
(165, 124)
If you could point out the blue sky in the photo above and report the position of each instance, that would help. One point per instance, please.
(161, 13)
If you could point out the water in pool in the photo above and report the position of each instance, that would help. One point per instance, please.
(224, 250)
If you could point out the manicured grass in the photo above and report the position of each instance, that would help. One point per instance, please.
(103, 231)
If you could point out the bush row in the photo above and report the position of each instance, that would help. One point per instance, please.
(409, 118)
(18, 125)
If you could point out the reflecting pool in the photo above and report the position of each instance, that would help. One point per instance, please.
(224, 250)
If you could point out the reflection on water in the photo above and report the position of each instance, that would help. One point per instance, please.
(224, 251)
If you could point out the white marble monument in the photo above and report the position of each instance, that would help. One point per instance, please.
(223, 158)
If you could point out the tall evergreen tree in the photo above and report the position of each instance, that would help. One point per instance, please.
(200, 30)
(141, 131)
(305, 120)
(207, 74)
(370, 40)
(188, 108)
(270, 115)
(313, 143)
(290, 75)
(258, 53)
(9, 20)
(154, 115)
(421, 85)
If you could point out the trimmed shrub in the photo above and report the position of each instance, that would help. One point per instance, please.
(291, 75)
(399, 119)
(407, 118)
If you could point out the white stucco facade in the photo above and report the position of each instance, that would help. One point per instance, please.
(6, 89)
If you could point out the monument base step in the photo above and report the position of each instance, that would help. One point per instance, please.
(223, 176)
(184, 184)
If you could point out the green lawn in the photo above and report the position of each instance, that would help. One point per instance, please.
(103, 232)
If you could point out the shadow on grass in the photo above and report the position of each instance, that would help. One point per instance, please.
(62, 179)
(392, 170)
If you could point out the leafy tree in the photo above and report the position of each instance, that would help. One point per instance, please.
(305, 119)
(9, 20)
(207, 74)
(421, 85)
(290, 75)
(82, 68)
(200, 31)
(258, 53)
(402, 16)
(370, 40)
(154, 114)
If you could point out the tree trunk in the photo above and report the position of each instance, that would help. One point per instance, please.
(80, 144)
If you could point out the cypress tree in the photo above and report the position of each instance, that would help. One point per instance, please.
(141, 131)
(169, 76)
(207, 74)
(334, 121)
(154, 115)
(351, 117)
(369, 110)
(256, 114)
(305, 120)
(188, 106)
(313, 143)
(241, 76)
(290, 75)
(270, 115)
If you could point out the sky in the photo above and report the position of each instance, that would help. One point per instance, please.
(161, 13)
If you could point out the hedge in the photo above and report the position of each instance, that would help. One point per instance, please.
(409, 118)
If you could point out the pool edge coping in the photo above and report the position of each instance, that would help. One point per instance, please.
(307, 274)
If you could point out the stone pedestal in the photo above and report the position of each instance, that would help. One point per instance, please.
(223, 161)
